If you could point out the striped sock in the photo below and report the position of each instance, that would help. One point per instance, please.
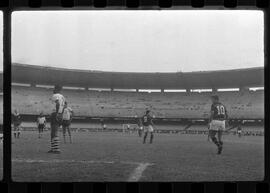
(55, 144)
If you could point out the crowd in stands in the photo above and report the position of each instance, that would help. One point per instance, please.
(33, 100)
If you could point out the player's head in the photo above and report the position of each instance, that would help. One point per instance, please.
(41, 113)
(147, 111)
(66, 104)
(16, 111)
(214, 98)
(57, 89)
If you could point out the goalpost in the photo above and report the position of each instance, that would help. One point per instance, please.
(129, 127)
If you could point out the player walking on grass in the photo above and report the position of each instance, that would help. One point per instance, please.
(217, 122)
(41, 124)
(16, 119)
(67, 117)
(147, 122)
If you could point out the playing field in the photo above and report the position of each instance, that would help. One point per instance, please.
(115, 156)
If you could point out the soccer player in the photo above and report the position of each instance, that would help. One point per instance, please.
(59, 101)
(239, 130)
(208, 136)
(67, 117)
(54, 133)
(147, 122)
(139, 122)
(217, 122)
(41, 124)
(16, 119)
(1, 133)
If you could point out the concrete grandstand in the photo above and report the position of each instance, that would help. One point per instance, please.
(96, 94)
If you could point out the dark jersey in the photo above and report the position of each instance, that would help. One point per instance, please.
(139, 121)
(219, 111)
(146, 120)
(16, 119)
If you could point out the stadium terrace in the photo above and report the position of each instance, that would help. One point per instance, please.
(29, 74)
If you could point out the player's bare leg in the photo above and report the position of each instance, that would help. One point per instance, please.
(64, 133)
(214, 139)
(219, 134)
(15, 136)
(18, 133)
(69, 133)
(145, 136)
(151, 137)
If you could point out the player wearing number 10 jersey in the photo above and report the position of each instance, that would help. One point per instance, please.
(217, 122)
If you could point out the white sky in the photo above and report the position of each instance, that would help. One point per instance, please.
(139, 41)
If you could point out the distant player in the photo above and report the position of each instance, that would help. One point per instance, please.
(67, 118)
(239, 130)
(16, 120)
(217, 122)
(1, 133)
(59, 101)
(41, 124)
(147, 122)
(208, 136)
(103, 125)
(139, 123)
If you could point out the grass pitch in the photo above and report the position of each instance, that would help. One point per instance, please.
(114, 156)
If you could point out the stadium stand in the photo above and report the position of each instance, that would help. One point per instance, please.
(240, 105)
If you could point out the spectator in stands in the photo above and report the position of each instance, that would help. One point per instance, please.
(16, 120)
(41, 124)
(67, 118)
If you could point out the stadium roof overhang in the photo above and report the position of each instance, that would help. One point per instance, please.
(29, 74)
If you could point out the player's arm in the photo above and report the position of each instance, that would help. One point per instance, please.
(71, 114)
(211, 116)
(57, 102)
(211, 113)
(152, 123)
(226, 114)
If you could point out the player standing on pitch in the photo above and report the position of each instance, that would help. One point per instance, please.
(16, 119)
(147, 122)
(67, 117)
(59, 101)
(217, 122)
(41, 124)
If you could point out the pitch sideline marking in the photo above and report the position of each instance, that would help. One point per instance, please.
(135, 175)
(138, 171)
(74, 161)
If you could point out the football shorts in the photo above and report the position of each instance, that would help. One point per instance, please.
(66, 123)
(148, 128)
(217, 125)
(41, 127)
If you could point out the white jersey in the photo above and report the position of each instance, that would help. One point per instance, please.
(67, 113)
(41, 120)
(61, 99)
